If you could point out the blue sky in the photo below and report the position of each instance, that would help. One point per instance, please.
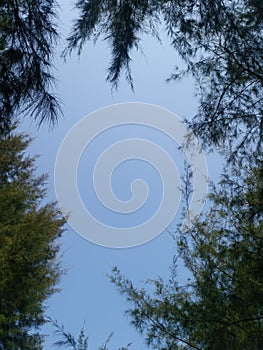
(86, 293)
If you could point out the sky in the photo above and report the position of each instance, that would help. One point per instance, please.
(87, 297)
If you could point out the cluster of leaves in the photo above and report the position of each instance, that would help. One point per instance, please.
(28, 249)
(221, 43)
(221, 306)
(67, 339)
(121, 22)
(27, 36)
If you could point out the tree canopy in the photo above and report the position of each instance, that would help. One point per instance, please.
(221, 43)
(221, 305)
(27, 38)
(28, 248)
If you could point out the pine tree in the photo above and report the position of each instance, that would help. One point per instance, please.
(29, 231)
(27, 38)
(221, 306)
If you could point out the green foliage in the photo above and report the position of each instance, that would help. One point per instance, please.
(27, 36)
(28, 249)
(221, 306)
(68, 340)
(121, 23)
(81, 342)
(221, 43)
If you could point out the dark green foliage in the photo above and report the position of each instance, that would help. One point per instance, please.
(29, 269)
(221, 43)
(81, 343)
(27, 36)
(221, 306)
(68, 340)
(121, 22)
